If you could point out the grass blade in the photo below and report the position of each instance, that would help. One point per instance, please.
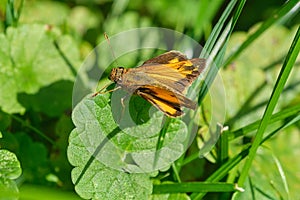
(272, 20)
(233, 162)
(193, 187)
(217, 29)
(282, 115)
(218, 48)
(282, 78)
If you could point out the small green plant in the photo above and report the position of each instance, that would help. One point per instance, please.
(49, 146)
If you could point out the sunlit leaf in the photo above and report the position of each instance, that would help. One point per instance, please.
(127, 147)
(29, 60)
(9, 169)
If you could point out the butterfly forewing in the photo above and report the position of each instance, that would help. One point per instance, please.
(166, 58)
(177, 76)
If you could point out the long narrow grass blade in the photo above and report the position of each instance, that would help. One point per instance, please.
(279, 116)
(272, 20)
(233, 162)
(193, 187)
(282, 78)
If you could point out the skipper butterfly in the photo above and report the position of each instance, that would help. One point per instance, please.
(162, 81)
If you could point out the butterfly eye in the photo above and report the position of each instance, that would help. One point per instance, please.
(116, 74)
(119, 73)
(112, 75)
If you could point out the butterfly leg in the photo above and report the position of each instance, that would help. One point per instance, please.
(122, 101)
(123, 106)
(100, 91)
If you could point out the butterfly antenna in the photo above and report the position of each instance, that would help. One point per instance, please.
(111, 49)
(115, 60)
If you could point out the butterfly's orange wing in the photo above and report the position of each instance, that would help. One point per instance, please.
(173, 70)
(165, 100)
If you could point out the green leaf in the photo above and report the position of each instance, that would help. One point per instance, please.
(32, 155)
(5, 120)
(100, 147)
(9, 166)
(29, 60)
(101, 182)
(128, 140)
(45, 102)
(59, 158)
(9, 169)
(57, 10)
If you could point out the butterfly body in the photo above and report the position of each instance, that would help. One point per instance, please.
(162, 81)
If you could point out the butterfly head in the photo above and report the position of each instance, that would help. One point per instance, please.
(116, 74)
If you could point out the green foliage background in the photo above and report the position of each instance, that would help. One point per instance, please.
(42, 46)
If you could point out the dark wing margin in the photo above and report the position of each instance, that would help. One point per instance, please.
(165, 100)
(191, 68)
(166, 58)
(191, 72)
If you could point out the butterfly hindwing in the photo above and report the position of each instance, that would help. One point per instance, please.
(165, 100)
